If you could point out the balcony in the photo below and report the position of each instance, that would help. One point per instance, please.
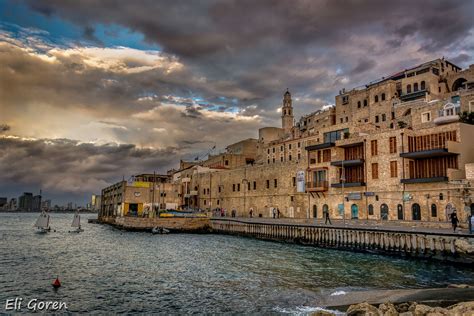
(348, 163)
(318, 186)
(430, 153)
(319, 146)
(413, 95)
(348, 184)
(424, 180)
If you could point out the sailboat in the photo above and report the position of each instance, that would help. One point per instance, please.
(76, 222)
(42, 223)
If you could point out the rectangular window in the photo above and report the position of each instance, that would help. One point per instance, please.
(255, 185)
(393, 169)
(425, 117)
(233, 187)
(376, 119)
(289, 146)
(268, 184)
(238, 187)
(248, 186)
(220, 189)
(294, 181)
(393, 145)
(275, 183)
(375, 171)
(319, 156)
(326, 155)
(373, 148)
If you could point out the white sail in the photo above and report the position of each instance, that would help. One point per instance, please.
(42, 221)
(76, 222)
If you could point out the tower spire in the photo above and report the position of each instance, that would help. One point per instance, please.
(287, 112)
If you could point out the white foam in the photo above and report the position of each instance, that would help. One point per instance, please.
(338, 293)
(305, 310)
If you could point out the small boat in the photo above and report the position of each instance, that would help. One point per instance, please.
(42, 223)
(159, 230)
(76, 222)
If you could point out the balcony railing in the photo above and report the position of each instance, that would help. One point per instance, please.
(424, 180)
(359, 183)
(317, 186)
(413, 95)
(348, 163)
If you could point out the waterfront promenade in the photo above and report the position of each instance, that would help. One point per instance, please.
(442, 228)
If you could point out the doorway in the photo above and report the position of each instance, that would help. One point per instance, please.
(416, 212)
(354, 211)
(384, 212)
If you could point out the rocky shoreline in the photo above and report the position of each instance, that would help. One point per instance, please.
(453, 300)
(409, 309)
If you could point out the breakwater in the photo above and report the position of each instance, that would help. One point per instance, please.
(431, 245)
(174, 224)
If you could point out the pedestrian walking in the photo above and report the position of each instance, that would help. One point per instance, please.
(327, 219)
(274, 212)
(251, 213)
(454, 220)
(278, 213)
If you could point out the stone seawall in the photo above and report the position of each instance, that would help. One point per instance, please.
(440, 246)
(174, 224)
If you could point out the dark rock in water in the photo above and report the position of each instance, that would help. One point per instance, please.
(363, 309)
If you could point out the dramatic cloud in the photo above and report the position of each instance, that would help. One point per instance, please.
(62, 167)
(187, 75)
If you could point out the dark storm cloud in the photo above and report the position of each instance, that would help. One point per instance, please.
(261, 47)
(63, 165)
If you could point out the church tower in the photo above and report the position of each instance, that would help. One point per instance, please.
(287, 113)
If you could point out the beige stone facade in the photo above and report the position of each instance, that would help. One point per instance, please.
(393, 149)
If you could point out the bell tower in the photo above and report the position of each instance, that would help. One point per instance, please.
(287, 112)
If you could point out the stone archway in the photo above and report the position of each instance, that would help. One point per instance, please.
(384, 212)
(354, 211)
(416, 212)
(458, 84)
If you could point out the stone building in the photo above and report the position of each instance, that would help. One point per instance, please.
(393, 149)
(143, 195)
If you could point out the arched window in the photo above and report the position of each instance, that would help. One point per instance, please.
(376, 99)
(415, 87)
(365, 102)
(315, 211)
(434, 210)
(358, 104)
(325, 209)
(416, 212)
(423, 85)
(384, 212)
(383, 96)
(371, 209)
(409, 88)
(400, 211)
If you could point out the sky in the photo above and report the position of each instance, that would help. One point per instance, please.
(95, 91)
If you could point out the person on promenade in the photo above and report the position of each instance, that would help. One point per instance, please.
(454, 220)
(327, 219)
(278, 213)
(251, 213)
